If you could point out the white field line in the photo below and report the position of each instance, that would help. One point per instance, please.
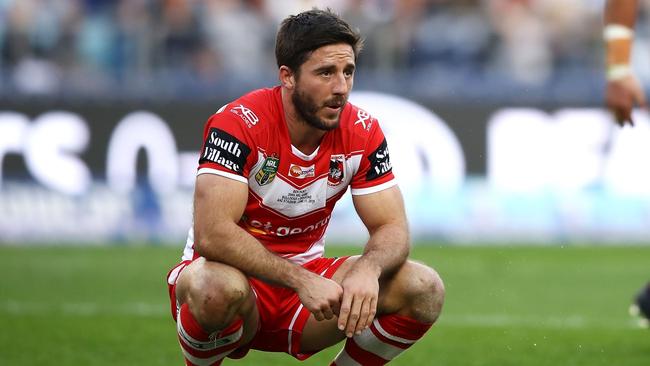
(156, 310)
(84, 308)
(572, 321)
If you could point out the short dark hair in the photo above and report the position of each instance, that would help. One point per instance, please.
(301, 34)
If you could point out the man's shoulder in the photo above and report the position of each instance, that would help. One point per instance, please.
(260, 98)
(358, 122)
(256, 109)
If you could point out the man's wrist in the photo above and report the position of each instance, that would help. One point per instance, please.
(613, 32)
(618, 40)
(367, 264)
(296, 276)
(618, 72)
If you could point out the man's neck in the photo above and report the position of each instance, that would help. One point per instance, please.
(303, 136)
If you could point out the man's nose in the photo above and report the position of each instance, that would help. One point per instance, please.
(340, 84)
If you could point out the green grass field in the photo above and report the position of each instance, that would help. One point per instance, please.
(505, 306)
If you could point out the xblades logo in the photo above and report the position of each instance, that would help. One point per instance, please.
(362, 117)
(246, 115)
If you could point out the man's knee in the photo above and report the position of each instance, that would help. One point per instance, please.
(214, 292)
(423, 291)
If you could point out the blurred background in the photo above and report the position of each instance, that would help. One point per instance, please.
(493, 111)
(520, 190)
(435, 50)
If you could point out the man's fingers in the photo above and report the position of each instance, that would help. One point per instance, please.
(622, 96)
(624, 116)
(617, 114)
(328, 314)
(353, 317)
(627, 116)
(640, 99)
(336, 307)
(346, 303)
(318, 315)
(622, 110)
(363, 318)
(373, 311)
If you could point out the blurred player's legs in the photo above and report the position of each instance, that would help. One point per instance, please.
(641, 306)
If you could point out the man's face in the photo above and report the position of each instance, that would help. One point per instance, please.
(323, 85)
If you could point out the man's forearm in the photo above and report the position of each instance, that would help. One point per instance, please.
(621, 12)
(229, 244)
(620, 16)
(387, 249)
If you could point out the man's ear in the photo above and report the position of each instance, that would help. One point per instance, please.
(287, 77)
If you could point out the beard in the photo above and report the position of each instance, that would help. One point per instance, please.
(307, 108)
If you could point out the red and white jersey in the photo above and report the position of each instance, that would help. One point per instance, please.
(291, 195)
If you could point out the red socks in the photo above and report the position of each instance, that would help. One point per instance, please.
(201, 348)
(385, 339)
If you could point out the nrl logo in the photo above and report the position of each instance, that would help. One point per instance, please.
(267, 172)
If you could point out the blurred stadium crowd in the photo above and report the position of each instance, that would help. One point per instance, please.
(447, 50)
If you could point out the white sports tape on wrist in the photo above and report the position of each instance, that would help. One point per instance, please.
(617, 31)
(617, 72)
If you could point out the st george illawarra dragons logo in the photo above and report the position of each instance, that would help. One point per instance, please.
(267, 172)
(337, 170)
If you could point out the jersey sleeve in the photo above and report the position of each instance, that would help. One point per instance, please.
(375, 171)
(227, 147)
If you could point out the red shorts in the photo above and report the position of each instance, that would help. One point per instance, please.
(282, 316)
